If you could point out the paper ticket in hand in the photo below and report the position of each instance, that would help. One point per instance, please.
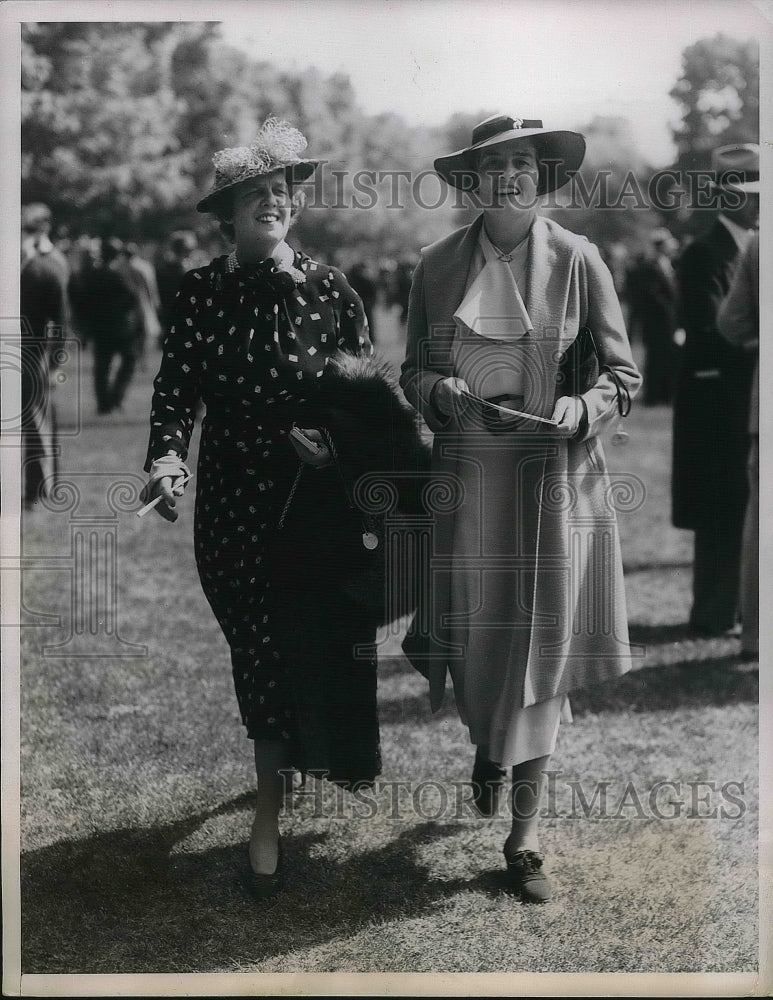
(506, 413)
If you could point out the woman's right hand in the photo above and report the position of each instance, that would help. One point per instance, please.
(168, 476)
(165, 488)
(448, 395)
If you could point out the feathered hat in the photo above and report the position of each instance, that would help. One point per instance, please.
(277, 145)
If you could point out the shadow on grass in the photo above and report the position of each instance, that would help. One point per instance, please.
(124, 902)
(691, 684)
(393, 665)
(649, 567)
(414, 708)
(650, 635)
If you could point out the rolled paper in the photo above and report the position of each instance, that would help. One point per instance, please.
(154, 503)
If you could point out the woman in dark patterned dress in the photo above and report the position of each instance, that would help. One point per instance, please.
(251, 335)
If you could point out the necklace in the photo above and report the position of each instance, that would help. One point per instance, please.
(281, 262)
(283, 257)
(507, 257)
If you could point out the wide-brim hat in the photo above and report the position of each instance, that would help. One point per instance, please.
(277, 146)
(559, 152)
(737, 167)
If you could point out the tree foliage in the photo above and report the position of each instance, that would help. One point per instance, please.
(608, 202)
(718, 92)
(97, 105)
(120, 121)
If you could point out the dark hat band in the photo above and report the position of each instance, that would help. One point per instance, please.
(487, 130)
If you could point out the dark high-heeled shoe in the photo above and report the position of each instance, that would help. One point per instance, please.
(487, 781)
(262, 886)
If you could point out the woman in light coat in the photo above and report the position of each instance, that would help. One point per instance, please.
(526, 598)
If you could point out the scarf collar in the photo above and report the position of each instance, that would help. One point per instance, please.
(275, 277)
(492, 306)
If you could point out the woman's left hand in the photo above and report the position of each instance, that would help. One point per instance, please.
(322, 457)
(568, 411)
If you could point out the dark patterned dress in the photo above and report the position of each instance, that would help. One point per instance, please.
(250, 349)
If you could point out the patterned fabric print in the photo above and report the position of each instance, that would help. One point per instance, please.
(249, 357)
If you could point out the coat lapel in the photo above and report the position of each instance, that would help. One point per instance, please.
(552, 286)
(451, 267)
(447, 267)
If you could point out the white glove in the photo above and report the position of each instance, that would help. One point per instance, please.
(166, 479)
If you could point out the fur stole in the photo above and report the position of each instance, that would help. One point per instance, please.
(382, 468)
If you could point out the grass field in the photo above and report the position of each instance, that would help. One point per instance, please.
(137, 777)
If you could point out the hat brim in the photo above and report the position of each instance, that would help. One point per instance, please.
(563, 150)
(296, 173)
(747, 187)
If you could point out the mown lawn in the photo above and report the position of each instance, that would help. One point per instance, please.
(137, 779)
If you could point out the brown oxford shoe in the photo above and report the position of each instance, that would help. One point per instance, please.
(525, 876)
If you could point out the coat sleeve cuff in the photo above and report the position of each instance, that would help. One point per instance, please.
(440, 418)
(582, 430)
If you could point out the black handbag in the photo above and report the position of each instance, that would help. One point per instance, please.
(581, 367)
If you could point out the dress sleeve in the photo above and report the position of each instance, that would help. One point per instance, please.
(176, 389)
(605, 319)
(353, 332)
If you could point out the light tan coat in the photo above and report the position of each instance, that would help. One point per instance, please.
(544, 509)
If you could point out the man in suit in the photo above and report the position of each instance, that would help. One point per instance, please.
(45, 318)
(142, 277)
(179, 259)
(711, 409)
(652, 295)
(111, 317)
(361, 280)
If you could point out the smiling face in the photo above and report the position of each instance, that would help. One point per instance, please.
(509, 175)
(262, 210)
